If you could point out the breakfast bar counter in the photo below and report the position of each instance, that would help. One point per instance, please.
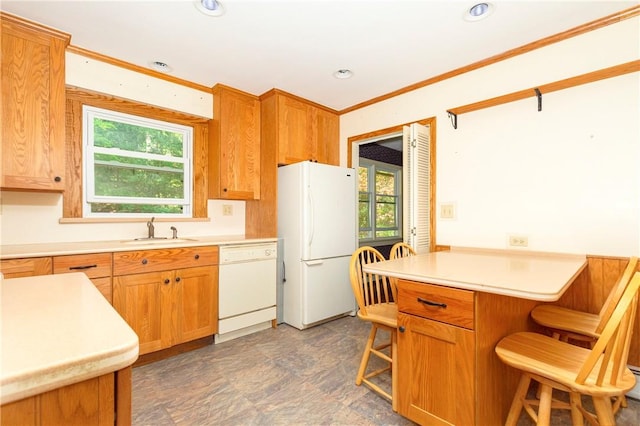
(529, 275)
(453, 308)
(59, 332)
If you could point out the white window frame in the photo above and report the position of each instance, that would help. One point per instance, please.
(88, 115)
(372, 167)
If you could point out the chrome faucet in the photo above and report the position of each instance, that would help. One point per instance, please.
(152, 229)
(175, 232)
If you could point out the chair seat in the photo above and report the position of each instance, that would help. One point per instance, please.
(383, 313)
(548, 357)
(559, 318)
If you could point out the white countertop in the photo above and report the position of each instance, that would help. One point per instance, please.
(66, 248)
(527, 275)
(58, 330)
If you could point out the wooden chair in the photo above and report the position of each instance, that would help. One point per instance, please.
(376, 297)
(600, 372)
(401, 249)
(568, 324)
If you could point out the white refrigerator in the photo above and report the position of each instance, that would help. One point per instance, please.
(317, 221)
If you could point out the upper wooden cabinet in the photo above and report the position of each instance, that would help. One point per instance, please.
(299, 130)
(234, 150)
(33, 106)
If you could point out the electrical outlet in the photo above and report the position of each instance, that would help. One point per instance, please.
(447, 211)
(227, 210)
(518, 240)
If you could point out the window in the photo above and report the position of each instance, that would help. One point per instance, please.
(135, 166)
(379, 200)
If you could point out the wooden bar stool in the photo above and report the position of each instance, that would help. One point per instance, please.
(376, 296)
(600, 372)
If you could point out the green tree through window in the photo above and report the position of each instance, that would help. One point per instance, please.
(379, 200)
(136, 166)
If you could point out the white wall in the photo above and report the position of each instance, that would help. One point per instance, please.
(27, 217)
(566, 177)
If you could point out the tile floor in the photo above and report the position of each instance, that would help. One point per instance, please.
(277, 376)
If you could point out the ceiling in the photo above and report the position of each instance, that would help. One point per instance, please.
(297, 45)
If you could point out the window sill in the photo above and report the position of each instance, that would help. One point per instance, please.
(65, 220)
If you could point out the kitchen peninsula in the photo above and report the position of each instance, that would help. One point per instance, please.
(66, 353)
(454, 306)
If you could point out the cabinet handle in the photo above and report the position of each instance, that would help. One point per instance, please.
(167, 280)
(57, 179)
(430, 303)
(145, 261)
(401, 329)
(197, 256)
(80, 268)
(224, 189)
(177, 279)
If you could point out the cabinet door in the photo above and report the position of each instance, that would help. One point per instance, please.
(33, 107)
(145, 303)
(295, 139)
(327, 137)
(234, 157)
(436, 372)
(196, 301)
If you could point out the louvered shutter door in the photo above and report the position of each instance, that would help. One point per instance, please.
(416, 187)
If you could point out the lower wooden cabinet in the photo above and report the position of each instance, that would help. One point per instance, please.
(97, 266)
(167, 307)
(28, 267)
(436, 372)
(170, 307)
(448, 372)
(104, 400)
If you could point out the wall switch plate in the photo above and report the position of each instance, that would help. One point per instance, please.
(447, 211)
(518, 241)
(227, 210)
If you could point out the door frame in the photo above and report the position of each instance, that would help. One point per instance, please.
(352, 141)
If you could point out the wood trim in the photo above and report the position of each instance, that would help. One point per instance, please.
(582, 29)
(275, 91)
(136, 68)
(614, 71)
(431, 122)
(42, 29)
(76, 98)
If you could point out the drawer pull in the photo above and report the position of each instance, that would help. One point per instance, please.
(167, 280)
(80, 268)
(145, 261)
(430, 303)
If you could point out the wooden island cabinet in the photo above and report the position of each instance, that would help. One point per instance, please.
(453, 308)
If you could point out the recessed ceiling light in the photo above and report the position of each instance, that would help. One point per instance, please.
(161, 67)
(479, 11)
(209, 7)
(343, 73)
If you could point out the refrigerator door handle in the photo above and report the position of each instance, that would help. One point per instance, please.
(314, 262)
(311, 230)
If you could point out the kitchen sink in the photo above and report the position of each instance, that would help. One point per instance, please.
(141, 241)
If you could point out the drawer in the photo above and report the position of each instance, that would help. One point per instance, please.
(448, 305)
(94, 265)
(16, 268)
(142, 261)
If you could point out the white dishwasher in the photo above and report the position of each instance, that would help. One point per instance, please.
(246, 289)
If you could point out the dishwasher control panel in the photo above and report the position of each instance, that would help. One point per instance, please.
(248, 252)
